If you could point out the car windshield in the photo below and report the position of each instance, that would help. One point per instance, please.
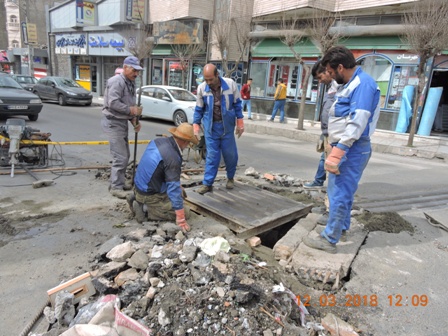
(26, 80)
(67, 82)
(7, 82)
(182, 95)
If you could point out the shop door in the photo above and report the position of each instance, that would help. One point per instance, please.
(440, 79)
(93, 78)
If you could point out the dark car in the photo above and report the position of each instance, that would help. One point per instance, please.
(27, 82)
(15, 100)
(63, 90)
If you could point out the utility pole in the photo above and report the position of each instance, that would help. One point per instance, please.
(30, 47)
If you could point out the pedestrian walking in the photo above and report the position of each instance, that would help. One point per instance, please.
(218, 109)
(279, 101)
(119, 109)
(157, 181)
(320, 73)
(352, 121)
(245, 97)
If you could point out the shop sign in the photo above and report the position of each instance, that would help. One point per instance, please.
(403, 58)
(107, 41)
(85, 13)
(178, 32)
(71, 44)
(135, 10)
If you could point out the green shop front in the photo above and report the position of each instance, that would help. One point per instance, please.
(386, 59)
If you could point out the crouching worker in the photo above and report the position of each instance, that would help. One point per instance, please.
(157, 180)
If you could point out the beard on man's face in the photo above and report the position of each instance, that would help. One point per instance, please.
(338, 78)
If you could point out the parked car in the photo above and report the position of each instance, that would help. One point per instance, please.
(63, 90)
(15, 100)
(168, 103)
(26, 81)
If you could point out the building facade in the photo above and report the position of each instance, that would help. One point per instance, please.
(371, 29)
(25, 43)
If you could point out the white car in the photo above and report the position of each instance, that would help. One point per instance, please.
(168, 103)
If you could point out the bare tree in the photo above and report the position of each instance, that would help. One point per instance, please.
(186, 53)
(426, 32)
(291, 36)
(321, 32)
(140, 42)
(227, 26)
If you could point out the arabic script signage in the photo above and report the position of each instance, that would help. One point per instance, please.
(106, 44)
(71, 44)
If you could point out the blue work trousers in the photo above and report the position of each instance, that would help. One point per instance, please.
(219, 143)
(321, 173)
(341, 189)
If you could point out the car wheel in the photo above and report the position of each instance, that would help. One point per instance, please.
(179, 117)
(33, 117)
(61, 100)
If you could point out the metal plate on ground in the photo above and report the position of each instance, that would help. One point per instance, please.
(246, 210)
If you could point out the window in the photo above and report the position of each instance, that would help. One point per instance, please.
(15, 44)
(258, 73)
(13, 19)
(380, 69)
(265, 77)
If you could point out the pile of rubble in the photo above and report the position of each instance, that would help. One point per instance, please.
(178, 285)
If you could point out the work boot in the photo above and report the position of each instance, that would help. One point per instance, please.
(204, 189)
(313, 185)
(128, 185)
(323, 219)
(230, 184)
(320, 243)
(130, 198)
(319, 229)
(119, 193)
(139, 214)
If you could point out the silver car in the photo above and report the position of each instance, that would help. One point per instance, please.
(63, 90)
(168, 103)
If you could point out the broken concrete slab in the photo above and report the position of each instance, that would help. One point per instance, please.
(438, 218)
(316, 265)
(286, 246)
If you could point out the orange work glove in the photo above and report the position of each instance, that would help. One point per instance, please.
(239, 127)
(181, 221)
(196, 130)
(333, 160)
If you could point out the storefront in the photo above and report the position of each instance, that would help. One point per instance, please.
(272, 60)
(386, 59)
(439, 78)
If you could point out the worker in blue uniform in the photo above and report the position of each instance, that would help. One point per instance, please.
(353, 119)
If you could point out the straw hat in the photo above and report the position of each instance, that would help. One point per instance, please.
(184, 132)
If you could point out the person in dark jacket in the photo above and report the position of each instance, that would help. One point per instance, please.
(320, 73)
(157, 180)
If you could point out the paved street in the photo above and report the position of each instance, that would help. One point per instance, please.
(79, 214)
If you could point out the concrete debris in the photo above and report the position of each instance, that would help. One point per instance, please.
(336, 326)
(183, 291)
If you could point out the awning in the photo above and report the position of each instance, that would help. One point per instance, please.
(162, 50)
(273, 47)
(375, 43)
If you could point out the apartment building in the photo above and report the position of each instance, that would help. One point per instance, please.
(17, 13)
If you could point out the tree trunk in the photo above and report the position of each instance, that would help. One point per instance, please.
(420, 87)
(306, 70)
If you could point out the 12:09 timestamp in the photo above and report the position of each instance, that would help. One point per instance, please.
(356, 300)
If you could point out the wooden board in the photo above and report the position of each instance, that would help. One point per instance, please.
(246, 210)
